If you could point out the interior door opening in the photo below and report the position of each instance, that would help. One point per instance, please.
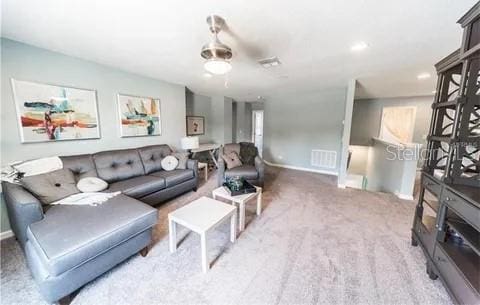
(257, 130)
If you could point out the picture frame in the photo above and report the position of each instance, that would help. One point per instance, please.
(139, 115)
(52, 113)
(195, 125)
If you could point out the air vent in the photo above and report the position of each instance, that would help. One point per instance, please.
(324, 158)
(270, 62)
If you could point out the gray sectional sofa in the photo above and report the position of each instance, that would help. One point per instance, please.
(67, 246)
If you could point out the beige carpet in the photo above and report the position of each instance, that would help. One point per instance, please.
(313, 244)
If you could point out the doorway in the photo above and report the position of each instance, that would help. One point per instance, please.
(257, 130)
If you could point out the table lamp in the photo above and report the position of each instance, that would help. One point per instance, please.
(189, 143)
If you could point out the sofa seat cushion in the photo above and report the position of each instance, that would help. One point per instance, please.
(175, 176)
(70, 235)
(246, 171)
(139, 186)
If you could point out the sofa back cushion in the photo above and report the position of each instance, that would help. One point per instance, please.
(152, 157)
(82, 166)
(117, 165)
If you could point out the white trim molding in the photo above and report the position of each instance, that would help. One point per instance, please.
(6, 234)
(404, 196)
(304, 169)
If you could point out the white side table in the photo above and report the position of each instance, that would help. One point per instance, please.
(201, 216)
(221, 192)
(204, 166)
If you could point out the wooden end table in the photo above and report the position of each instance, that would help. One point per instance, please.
(241, 200)
(201, 216)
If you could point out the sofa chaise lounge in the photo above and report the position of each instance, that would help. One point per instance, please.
(67, 246)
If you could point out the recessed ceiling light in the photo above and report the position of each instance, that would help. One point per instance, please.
(359, 46)
(423, 75)
(207, 75)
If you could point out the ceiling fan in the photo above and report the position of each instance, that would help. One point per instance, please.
(216, 53)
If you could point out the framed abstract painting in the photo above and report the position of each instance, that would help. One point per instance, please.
(139, 116)
(195, 125)
(55, 113)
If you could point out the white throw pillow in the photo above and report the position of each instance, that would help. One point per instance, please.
(91, 185)
(169, 163)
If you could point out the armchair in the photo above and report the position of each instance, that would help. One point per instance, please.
(253, 172)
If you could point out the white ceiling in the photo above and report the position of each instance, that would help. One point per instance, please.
(162, 39)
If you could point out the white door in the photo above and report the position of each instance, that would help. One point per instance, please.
(257, 130)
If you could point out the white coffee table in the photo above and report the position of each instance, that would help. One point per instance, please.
(241, 200)
(201, 216)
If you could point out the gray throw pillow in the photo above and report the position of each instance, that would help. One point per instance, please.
(232, 160)
(182, 159)
(248, 152)
(51, 187)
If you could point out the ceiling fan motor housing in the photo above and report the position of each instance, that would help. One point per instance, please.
(215, 48)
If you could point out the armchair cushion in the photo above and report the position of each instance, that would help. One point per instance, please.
(248, 172)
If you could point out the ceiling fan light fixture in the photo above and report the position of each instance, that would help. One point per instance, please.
(216, 53)
(217, 66)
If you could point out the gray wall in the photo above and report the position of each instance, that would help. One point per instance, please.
(24, 62)
(243, 122)
(367, 117)
(295, 124)
(200, 105)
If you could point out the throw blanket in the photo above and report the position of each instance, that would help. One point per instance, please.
(92, 199)
(17, 170)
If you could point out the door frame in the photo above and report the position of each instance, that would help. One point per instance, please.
(253, 124)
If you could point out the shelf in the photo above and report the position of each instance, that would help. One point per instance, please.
(449, 104)
(470, 193)
(465, 260)
(468, 233)
(446, 139)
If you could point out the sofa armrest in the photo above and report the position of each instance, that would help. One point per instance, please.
(260, 166)
(23, 209)
(193, 164)
(220, 170)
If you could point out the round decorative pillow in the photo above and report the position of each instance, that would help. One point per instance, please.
(91, 184)
(169, 163)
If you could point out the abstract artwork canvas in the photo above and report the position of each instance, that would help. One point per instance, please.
(195, 125)
(398, 124)
(139, 116)
(55, 113)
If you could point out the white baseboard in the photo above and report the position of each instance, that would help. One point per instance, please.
(304, 169)
(403, 196)
(6, 234)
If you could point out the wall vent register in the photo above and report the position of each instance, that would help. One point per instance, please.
(324, 158)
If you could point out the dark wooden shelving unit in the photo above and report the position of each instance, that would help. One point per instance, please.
(450, 185)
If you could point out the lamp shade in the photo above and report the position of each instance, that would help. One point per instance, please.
(189, 142)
